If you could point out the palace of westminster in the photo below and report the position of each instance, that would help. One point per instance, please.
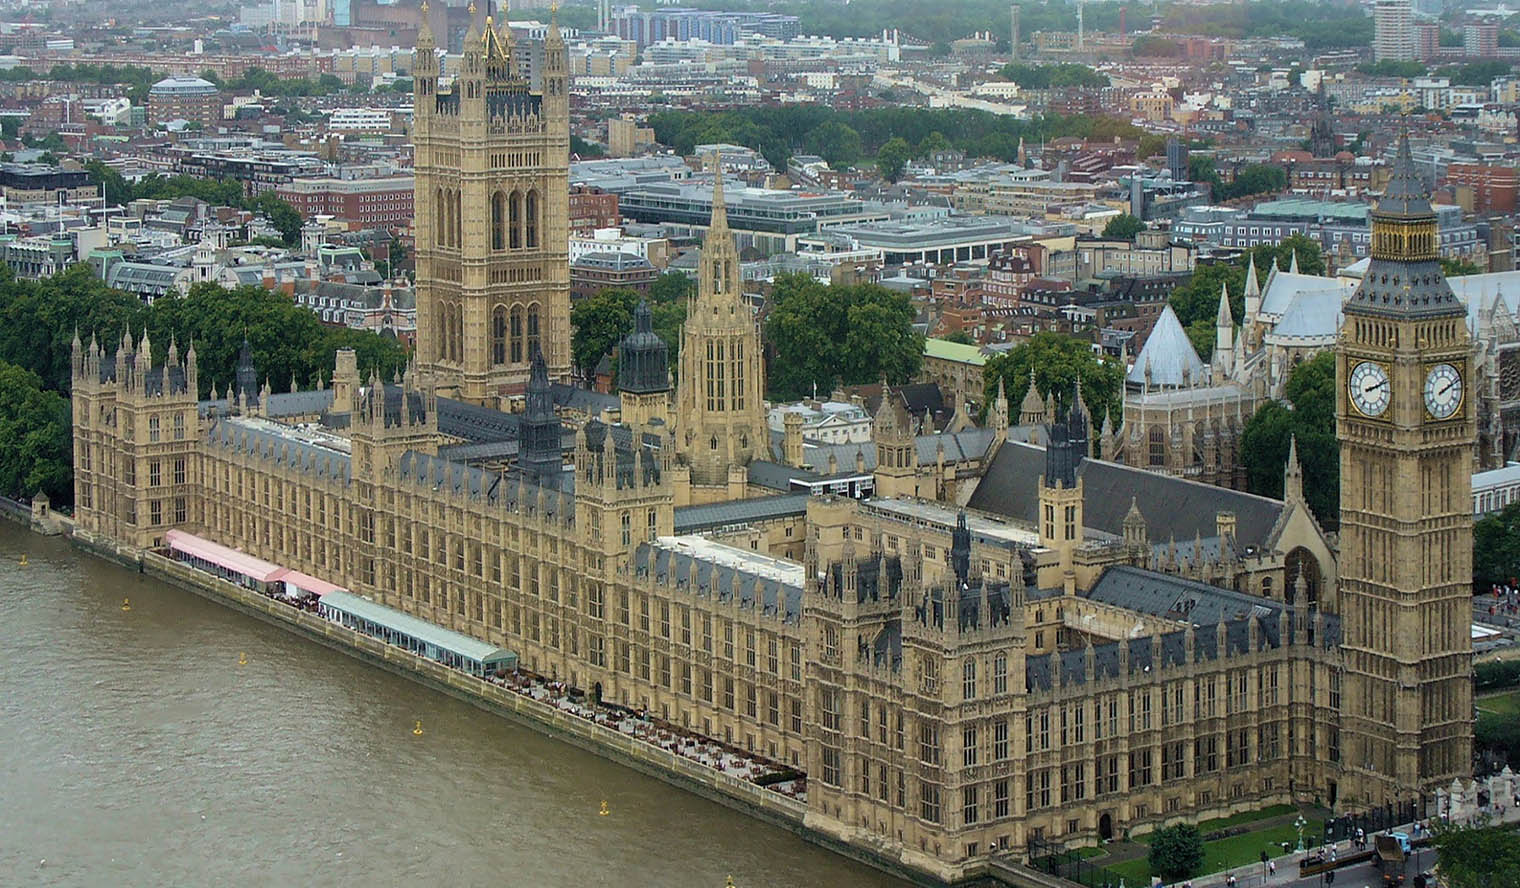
(1083, 649)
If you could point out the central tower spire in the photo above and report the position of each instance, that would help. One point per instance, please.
(722, 382)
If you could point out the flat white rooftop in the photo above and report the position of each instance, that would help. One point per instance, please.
(778, 569)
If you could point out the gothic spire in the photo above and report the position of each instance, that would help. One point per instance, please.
(539, 455)
(425, 40)
(719, 220)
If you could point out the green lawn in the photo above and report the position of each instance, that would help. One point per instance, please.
(1092, 851)
(1224, 854)
(1209, 826)
(1507, 703)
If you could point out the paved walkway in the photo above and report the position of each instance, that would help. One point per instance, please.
(1250, 876)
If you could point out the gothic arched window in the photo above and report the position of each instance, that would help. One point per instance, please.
(499, 335)
(514, 221)
(498, 221)
(517, 334)
(532, 330)
(530, 220)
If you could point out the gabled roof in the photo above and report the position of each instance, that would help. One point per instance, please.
(1315, 314)
(1173, 507)
(1285, 287)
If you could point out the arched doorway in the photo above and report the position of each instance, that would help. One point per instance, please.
(1105, 826)
(1301, 562)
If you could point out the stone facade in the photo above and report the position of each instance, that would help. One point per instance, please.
(957, 683)
(492, 172)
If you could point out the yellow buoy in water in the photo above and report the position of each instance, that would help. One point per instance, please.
(23, 560)
(417, 729)
(730, 882)
(126, 604)
(242, 658)
(604, 812)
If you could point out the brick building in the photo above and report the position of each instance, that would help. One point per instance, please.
(185, 98)
(592, 208)
(599, 271)
(373, 203)
(1493, 186)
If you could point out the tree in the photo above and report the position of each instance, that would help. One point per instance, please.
(1255, 178)
(1456, 267)
(1123, 226)
(672, 286)
(892, 158)
(1308, 417)
(835, 142)
(1059, 363)
(932, 143)
(1051, 76)
(1196, 301)
(1496, 547)
(820, 336)
(959, 337)
(288, 341)
(598, 324)
(1392, 68)
(1477, 856)
(1176, 852)
(1475, 73)
(37, 437)
(280, 214)
(396, 255)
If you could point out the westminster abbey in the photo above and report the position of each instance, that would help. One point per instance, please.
(1082, 649)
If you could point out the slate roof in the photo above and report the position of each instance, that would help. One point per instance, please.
(721, 581)
(304, 455)
(963, 446)
(778, 476)
(1173, 507)
(573, 397)
(1169, 354)
(1177, 598)
(508, 491)
(1315, 314)
(476, 424)
(694, 519)
(1285, 287)
(279, 406)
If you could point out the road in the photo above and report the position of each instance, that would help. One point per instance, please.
(1363, 875)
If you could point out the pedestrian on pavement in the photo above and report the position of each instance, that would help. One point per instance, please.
(1272, 867)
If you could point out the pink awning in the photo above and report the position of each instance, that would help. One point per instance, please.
(255, 569)
(306, 582)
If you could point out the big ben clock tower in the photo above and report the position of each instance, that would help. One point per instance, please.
(1405, 421)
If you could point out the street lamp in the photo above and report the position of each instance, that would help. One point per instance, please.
(1299, 823)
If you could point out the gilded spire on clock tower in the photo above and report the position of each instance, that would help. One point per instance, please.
(1406, 434)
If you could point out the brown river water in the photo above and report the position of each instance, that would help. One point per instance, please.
(135, 750)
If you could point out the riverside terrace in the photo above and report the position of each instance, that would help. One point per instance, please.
(499, 666)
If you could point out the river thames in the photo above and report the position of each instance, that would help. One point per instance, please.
(135, 750)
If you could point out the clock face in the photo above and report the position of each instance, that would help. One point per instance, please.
(1368, 388)
(1443, 391)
